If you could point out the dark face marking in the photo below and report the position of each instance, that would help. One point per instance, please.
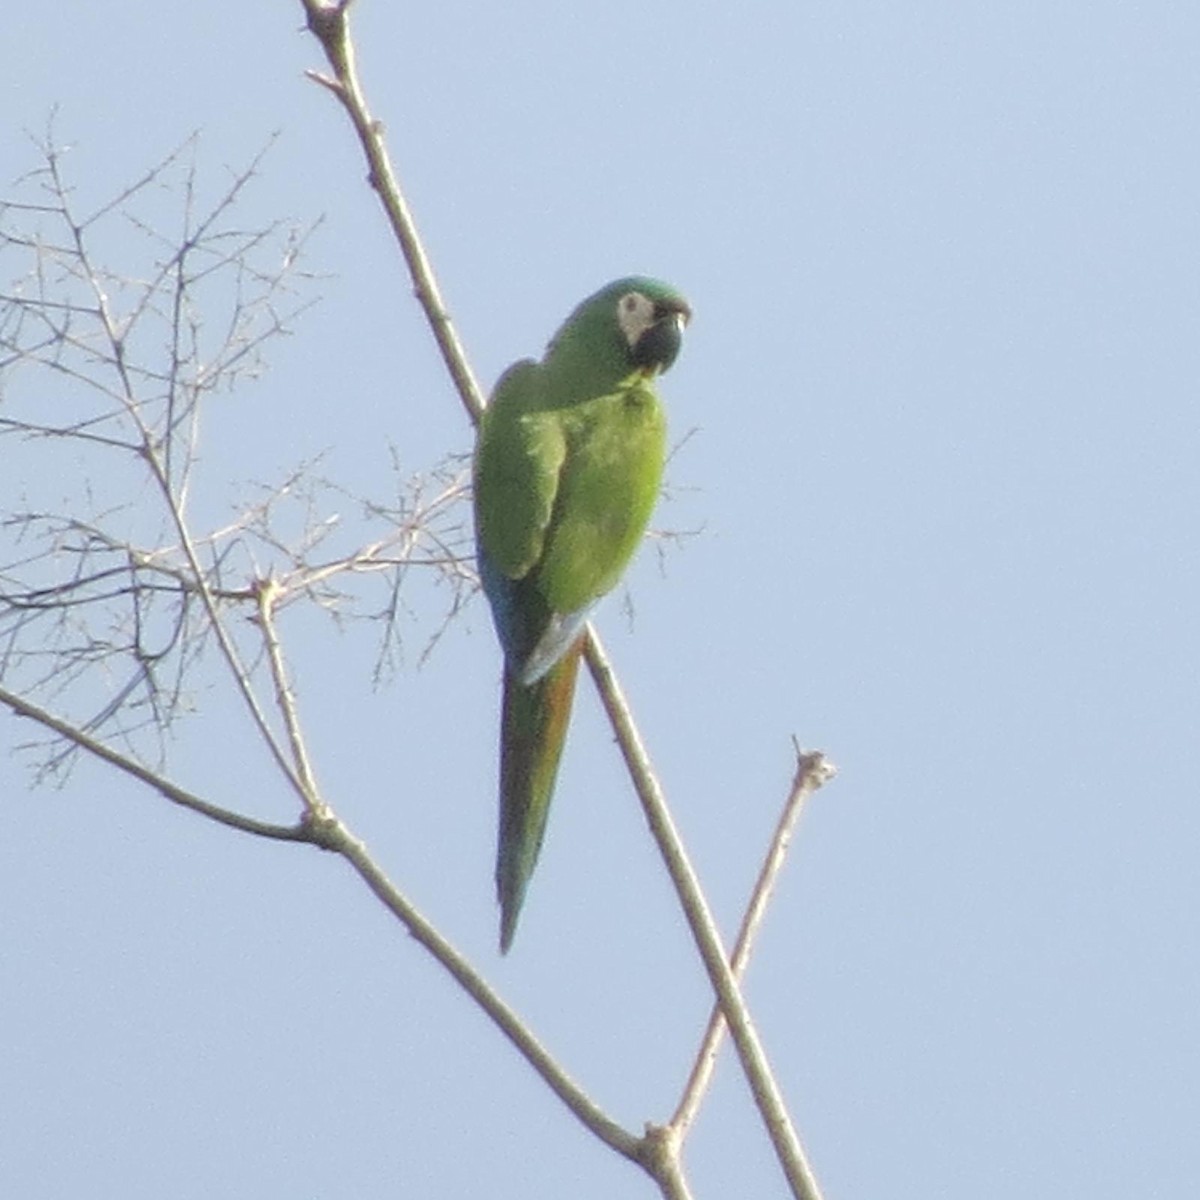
(653, 329)
(658, 346)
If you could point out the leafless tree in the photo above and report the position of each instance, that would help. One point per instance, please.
(118, 598)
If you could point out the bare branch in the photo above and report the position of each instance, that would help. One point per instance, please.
(538, 1057)
(322, 828)
(115, 365)
(177, 795)
(329, 23)
(813, 770)
(707, 937)
(268, 595)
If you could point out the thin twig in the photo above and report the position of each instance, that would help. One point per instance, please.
(224, 816)
(153, 458)
(330, 25)
(237, 669)
(757, 1069)
(813, 770)
(268, 593)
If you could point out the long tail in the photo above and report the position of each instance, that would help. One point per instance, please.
(532, 731)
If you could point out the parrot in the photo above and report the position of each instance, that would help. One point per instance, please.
(567, 467)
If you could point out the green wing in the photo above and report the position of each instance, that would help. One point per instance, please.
(616, 446)
(518, 459)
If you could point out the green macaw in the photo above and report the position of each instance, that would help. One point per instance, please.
(567, 468)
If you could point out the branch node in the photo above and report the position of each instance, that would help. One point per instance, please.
(659, 1149)
(323, 829)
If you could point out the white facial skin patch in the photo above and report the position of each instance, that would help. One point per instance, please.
(635, 314)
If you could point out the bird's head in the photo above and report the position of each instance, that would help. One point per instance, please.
(632, 324)
(651, 317)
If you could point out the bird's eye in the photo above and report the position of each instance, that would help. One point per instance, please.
(629, 301)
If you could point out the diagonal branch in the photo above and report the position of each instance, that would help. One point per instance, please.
(224, 816)
(765, 1089)
(813, 770)
(268, 594)
(330, 25)
(538, 1057)
(325, 830)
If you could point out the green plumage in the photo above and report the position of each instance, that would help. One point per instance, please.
(567, 470)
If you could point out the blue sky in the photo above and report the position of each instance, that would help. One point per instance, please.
(942, 377)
